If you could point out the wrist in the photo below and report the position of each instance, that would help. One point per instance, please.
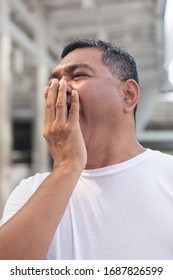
(69, 168)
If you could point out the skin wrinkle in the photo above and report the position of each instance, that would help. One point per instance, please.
(57, 74)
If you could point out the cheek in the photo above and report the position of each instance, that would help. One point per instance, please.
(92, 93)
(98, 100)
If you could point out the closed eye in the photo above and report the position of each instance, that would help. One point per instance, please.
(79, 76)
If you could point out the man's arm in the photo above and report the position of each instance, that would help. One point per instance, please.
(28, 234)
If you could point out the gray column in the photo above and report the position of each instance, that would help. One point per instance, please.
(5, 104)
(40, 159)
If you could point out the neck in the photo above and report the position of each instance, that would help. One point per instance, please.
(112, 150)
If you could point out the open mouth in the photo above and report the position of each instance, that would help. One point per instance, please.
(68, 103)
(68, 108)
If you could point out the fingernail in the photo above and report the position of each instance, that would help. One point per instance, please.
(73, 93)
(63, 82)
(55, 82)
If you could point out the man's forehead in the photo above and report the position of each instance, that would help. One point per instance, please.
(70, 67)
(81, 55)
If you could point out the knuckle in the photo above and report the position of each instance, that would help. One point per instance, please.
(72, 110)
(56, 129)
(59, 131)
(49, 105)
(59, 105)
(60, 128)
(45, 133)
(52, 130)
(49, 130)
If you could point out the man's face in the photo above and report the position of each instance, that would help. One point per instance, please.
(99, 92)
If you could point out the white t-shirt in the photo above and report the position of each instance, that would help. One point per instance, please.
(123, 211)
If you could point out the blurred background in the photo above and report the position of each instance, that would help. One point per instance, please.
(32, 35)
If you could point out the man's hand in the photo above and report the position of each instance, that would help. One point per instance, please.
(28, 234)
(62, 129)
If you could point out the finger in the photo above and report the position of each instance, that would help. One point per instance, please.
(46, 90)
(50, 101)
(61, 106)
(74, 110)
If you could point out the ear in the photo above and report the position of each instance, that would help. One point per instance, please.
(131, 93)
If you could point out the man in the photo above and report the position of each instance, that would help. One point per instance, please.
(107, 197)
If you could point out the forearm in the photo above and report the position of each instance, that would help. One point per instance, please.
(27, 235)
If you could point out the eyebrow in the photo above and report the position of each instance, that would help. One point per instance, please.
(71, 68)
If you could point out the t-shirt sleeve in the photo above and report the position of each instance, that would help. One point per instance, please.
(21, 194)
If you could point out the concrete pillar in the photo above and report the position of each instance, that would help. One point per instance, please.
(40, 159)
(40, 156)
(5, 104)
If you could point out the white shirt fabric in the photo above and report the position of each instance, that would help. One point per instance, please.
(122, 211)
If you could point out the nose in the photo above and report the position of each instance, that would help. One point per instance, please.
(69, 86)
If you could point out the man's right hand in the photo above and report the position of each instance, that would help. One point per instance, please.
(62, 129)
(28, 234)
